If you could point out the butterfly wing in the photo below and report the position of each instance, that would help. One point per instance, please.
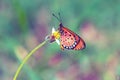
(80, 43)
(70, 40)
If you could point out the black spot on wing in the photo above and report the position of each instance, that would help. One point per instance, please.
(71, 38)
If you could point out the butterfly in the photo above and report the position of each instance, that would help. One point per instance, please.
(69, 39)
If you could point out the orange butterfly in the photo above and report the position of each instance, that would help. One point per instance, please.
(69, 39)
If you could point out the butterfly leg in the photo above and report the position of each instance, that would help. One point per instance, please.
(62, 47)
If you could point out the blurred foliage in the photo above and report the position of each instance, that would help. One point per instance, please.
(25, 23)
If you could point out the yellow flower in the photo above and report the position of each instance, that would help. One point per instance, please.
(55, 36)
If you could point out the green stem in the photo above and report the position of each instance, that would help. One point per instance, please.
(26, 58)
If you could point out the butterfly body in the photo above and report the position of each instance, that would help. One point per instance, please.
(69, 39)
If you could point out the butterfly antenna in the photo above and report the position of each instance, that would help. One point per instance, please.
(58, 18)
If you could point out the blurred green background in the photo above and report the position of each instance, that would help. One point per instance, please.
(25, 23)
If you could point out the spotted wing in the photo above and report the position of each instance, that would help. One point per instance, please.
(70, 40)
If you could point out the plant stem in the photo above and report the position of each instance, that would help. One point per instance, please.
(26, 58)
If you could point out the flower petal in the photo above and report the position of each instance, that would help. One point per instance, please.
(58, 41)
(53, 30)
